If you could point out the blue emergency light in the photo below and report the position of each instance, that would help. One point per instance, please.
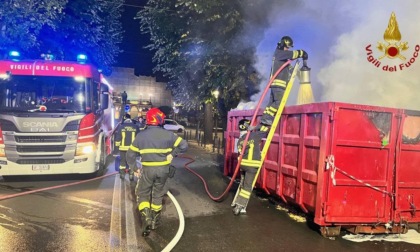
(48, 56)
(14, 55)
(82, 58)
(127, 108)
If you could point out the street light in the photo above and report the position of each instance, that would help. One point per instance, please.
(216, 93)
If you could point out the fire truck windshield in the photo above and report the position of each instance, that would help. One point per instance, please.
(43, 93)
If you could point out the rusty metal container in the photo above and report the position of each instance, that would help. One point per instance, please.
(345, 165)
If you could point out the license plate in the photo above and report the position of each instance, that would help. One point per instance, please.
(42, 167)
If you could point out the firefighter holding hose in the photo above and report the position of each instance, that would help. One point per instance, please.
(156, 147)
(282, 54)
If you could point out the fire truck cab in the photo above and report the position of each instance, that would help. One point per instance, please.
(56, 117)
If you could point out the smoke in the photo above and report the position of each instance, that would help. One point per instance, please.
(336, 35)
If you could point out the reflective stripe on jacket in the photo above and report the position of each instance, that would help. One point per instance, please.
(126, 133)
(280, 57)
(252, 153)
(154, 144)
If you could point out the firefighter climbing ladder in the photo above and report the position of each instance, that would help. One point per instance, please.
(273, 126)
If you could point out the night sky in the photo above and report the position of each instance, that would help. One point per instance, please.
(134, 55)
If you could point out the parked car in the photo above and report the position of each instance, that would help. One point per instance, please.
(173, 125)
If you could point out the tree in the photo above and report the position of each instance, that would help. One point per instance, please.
(166, 110)
(201, 46)
(197, 46)
(21, 22)
(92, 27)
(64, 28)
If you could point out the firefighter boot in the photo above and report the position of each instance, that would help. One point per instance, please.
(146, 221)
(122, 173)
(155, 219)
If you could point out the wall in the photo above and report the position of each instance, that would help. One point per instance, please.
(140, 87)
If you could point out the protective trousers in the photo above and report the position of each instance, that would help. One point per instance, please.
(151, 187)
(123, 161)
(124, 166)
(276, 96)
(246, 189)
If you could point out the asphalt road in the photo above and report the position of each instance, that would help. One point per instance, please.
(267, 226)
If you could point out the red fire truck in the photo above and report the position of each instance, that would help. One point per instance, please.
(56, 117)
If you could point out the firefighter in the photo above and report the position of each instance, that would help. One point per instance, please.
(126, 133)
(282, 54)
(251, 161)
(156, 147)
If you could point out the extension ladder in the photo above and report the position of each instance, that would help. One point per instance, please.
(272, 129)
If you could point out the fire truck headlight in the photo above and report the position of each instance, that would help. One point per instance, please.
(85, 149)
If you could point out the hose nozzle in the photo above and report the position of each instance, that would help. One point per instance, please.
(305, 73)
(305, 66)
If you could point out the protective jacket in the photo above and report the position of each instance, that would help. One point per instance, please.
(252, 153)
(125, 134)
(280, 57)
(279, 84)
(154, 144)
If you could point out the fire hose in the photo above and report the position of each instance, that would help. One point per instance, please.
(55, 187)
(221, 197)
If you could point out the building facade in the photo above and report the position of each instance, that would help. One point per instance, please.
(139, 89)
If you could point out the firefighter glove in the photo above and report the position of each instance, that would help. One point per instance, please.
(169, 158)
(172, 170)
(117, 144)
(305, 66)
(304, 55)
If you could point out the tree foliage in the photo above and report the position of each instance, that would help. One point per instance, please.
(64, 28)
(21, 22)
(199, 46)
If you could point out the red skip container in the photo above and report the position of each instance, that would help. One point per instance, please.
(348, 166)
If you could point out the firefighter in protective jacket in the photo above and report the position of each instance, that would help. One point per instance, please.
(156, 147)
(251, 161)
(281, 55)
(126, 133)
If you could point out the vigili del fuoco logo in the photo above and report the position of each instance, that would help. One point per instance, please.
(393, 48)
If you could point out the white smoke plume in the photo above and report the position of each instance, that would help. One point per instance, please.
(335, 34)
